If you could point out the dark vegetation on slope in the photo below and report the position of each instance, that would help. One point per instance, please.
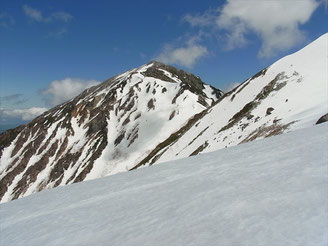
(199, 149)
(322, 119)
(152, 157)
(189, 81)
(274, 85)
(267, 131)
(8, 136)
(95, 139)
(246, 82)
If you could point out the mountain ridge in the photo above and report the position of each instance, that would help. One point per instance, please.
(287, 95)
(157, 113)
(102, 131)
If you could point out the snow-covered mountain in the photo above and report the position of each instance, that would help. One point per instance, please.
(290, 94)
(268, 192)
(157, 113)
(107, 129)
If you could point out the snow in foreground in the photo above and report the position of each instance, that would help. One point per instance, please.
(268, 192)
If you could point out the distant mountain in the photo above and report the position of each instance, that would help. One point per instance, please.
(109, 128)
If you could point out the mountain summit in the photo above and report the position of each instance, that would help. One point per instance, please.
(157, 113)
(109, 128)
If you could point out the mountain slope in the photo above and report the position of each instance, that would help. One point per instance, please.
(107, 129)
(157, 113)
(267, 192)
(290, 94)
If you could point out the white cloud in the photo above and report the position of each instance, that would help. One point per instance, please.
(21, 114)
(277, 23)
(57, 34)
(60, 91)
(6, 20)
(236, 38)
(61, 16)
(186, 56)
(37, 15)
(231, 86)
(201, 20)
(33, 13)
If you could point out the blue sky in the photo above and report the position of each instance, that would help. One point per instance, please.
(51, 50)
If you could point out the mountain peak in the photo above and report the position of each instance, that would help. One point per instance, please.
(157, 113)
(169, 73)
(109, 128)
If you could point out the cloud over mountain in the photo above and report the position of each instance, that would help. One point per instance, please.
(60, 91)
(276, 23)
(21, 114)
(186, 55)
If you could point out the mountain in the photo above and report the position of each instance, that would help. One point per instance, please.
(107, 129)
(290, 94)
(157, 113)
(266, 192)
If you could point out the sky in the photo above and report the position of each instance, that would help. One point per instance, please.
(50, 51)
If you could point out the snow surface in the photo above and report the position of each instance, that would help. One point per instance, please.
(268, 192)
(299, 103)
(299, 98)
(148, 126)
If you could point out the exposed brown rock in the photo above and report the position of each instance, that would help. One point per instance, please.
(92, 110)
(8, 136)
(322, 119)
(199, 149)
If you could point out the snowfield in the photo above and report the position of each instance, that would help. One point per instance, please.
(271, 191)
(108, 128)
(290, 94)
(157, 113)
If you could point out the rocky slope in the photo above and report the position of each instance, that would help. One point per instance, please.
(273, 197)
(290, 94)
(107, 129)
(157, 113)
